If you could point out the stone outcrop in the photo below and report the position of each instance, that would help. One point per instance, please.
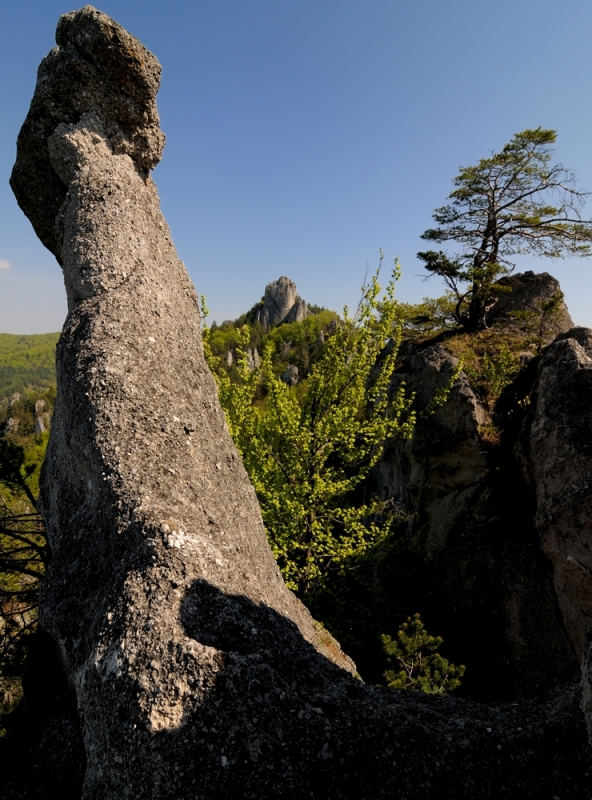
(196, 673)
(281, 303)
(253, 358)
(556, 450)
(504, 531)
(479, 564)
(532, 301)
(290, 375)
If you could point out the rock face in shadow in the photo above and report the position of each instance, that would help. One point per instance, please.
(479, 565)
(558, 459)
(556, 453)
(196, 672)
(504, 531)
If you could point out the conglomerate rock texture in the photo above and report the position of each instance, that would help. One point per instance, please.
(195, 672)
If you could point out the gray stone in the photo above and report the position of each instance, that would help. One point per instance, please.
(290, 375)
(533, 301)
(39, 426)
(123, 101)
(558, 442)
(196, 672)
(12, 424)
(253, 358)
(229, 358)
(583, 336)
(298, 312)
(281, 304)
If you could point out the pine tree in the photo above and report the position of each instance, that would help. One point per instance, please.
(514, 202)
(414, 663)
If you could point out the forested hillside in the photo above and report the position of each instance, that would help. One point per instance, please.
(26, 362)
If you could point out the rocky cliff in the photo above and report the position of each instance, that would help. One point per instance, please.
(281, 303)
(184, 666)
(502, 528)
(532, 300)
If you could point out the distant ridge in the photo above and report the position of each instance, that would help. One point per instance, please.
(26, 361)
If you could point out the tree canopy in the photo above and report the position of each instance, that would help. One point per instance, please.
(307, 447)
(516, 201)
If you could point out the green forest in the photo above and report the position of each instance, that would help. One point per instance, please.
(26, 362)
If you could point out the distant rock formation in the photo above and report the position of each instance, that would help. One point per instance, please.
(12, 424)
(290, 375)
(196, 672)
(281, 304)
(253, 358)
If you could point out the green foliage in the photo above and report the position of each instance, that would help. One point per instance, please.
(293, 343)
(499, 371)
(536, 323)
(27, 362)
(308, 448)
(432, 316)
(414, 663)
(514, 202)
(23, 548)
(491, 360)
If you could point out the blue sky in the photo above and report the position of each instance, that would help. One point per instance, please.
(302, 135)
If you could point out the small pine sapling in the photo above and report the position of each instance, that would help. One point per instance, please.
(415, 664)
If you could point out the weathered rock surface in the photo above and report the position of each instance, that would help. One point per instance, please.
(196, 672)
(281, 304)
(253, 358)
(535, 301)
(558, 457)
(480, 567)
(505, 532)
(290, 375)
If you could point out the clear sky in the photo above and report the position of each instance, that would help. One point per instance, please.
(303, 135)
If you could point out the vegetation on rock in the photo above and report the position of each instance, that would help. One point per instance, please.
(514, 202)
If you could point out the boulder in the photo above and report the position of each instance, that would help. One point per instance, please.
(196, 673)
(532, 302)
(290, 375)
